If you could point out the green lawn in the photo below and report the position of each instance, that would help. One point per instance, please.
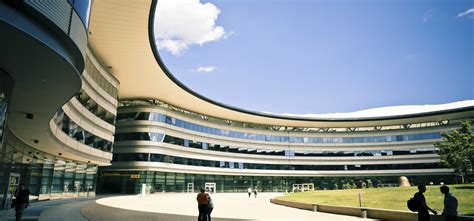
(387, 198)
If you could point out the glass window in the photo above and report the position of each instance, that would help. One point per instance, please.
(168, 120)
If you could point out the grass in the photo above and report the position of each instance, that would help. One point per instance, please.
(387, 198)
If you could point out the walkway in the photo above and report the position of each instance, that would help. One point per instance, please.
(182, 207)
(54, 210)
(168, 207)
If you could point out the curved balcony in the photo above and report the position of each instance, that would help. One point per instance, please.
(178, 168)
(44, 44)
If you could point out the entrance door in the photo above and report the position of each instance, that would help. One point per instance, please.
(190, 188)
(77, 187)
(89, 187)
(297, 188)
(13, 183)
(130, 187)
(210, 187)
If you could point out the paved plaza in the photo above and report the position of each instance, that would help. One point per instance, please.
(228, 206)
(169, 207)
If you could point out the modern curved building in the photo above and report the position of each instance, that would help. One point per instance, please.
(57, 101)
(83, 86)
(172, 149)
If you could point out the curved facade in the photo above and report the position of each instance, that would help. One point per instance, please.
(178, 140)
(169, 149)
(57, 103)
(83, 87)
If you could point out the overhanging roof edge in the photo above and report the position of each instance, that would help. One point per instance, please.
(277, 116)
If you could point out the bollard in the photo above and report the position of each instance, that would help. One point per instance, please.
(315, 208)
(363, 213)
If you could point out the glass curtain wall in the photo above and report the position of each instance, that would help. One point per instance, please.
(3, 114)
(6, 83)
(272, 138)
(46, 176)
(130, 182)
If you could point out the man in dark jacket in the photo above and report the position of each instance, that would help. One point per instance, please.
(22, 198)
(423, 214)
(450, 210)
(202, 199)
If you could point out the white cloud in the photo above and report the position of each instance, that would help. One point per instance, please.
(206, 69)
(182, 23)
(468, 13)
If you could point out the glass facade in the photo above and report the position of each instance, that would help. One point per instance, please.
(75, 131)
(95, 108)
(152, 157)
(3, 114)
(270, 138)
(130, 181)
(158, 137)
(150, 136)
(82, 8)
(116, 181)
(426, 150)
(45, 175)
(266, 127)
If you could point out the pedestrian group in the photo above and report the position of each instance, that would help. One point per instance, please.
(418, 204)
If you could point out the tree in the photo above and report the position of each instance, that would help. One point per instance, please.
(457, 149)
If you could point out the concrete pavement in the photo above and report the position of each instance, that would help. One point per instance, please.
(54, 210)
(170, 207)
(183, 207)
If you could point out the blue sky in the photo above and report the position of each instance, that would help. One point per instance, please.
(321, 56)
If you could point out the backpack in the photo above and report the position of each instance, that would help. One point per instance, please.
(412, 204)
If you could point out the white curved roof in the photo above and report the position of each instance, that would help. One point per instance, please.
(389, 111)
(119, 37)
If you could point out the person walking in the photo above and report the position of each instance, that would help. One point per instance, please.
(202, 199)
(423, 208)
(450, 211)
(249, 191)
(210, 207)
(255, 192)
(22, 198)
